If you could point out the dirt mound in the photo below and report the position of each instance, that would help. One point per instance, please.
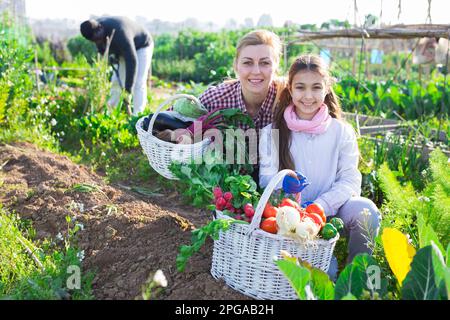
(125, 238)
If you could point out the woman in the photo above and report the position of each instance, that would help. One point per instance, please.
(256, 88)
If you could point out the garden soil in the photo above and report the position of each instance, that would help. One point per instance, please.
(126, 236)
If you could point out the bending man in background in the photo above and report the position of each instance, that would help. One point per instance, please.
(132, 46)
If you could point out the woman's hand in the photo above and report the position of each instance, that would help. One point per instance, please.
(292, 185)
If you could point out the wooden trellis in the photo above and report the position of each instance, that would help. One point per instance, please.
(392, 32)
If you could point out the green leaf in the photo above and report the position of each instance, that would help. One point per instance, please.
(354, 279)
(349, 296)
(198, 237)
(186, 171)
(297, 276)
(196, 181)
(322, 286)
(428, 270)
(447, 281)
(448, 256)
(427, 234)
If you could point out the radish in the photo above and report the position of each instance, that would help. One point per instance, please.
(221, 203)
(217, 192)
(228, 196)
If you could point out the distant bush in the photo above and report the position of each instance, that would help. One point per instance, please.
(79, 45)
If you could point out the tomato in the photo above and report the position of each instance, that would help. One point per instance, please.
(316, 218)
(318, 209)
(270, 211)
(290, 203)
(286, 202)
(269, 225)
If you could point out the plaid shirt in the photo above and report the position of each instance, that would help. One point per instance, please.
(229, 95)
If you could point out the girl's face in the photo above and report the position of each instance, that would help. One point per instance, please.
(308, 90)
(255, 68)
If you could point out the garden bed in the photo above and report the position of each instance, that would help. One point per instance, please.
(126, 237)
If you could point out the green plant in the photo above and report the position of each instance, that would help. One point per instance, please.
(421, 275)
(98, 86)
(40, 270)
(198, 239)
(154, 285)
(311, 283)
(79, 46)
(426, 276)
(404, 204)
(201, 178)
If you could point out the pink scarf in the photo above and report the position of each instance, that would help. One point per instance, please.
(317, 125)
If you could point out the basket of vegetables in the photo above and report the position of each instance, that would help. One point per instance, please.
(165, 136)
(243, 256)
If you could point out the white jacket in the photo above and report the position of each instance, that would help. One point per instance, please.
(328, 160)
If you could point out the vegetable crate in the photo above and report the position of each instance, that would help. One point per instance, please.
(161, 153)
(244, 255)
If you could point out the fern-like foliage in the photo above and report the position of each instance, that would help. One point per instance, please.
(402, 202)
(438, 191)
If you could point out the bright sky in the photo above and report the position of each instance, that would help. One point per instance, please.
(298, 11)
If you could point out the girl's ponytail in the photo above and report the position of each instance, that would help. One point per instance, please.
(334, 107)
(284, 134)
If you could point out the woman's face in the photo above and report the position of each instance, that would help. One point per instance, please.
(308, 90)
(255, 68)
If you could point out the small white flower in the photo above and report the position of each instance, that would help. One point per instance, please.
(103, 154)
(160, 279)
(80, 255)
(62, 133)
(424, 199)
(46, 113)
(73, 110)
(409, 238)
(59, 237)
(53, 122)
(80, 225)
(366, 212)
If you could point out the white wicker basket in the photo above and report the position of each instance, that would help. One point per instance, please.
(161, 153)
(243, 255)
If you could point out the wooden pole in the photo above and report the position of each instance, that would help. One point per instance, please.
(381, 33)
(285, 56)
(36, 69)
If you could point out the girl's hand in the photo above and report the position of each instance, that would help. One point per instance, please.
(292, 185)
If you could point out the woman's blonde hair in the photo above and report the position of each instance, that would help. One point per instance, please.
(259, 37)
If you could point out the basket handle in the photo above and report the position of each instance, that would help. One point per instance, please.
(167, 102)
(266, 195)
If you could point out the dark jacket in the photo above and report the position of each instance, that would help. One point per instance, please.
(128, 37)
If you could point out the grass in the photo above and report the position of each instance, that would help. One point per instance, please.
(47, 270)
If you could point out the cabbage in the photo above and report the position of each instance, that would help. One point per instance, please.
(189, 108)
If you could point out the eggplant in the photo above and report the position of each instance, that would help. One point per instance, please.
(165, 121)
